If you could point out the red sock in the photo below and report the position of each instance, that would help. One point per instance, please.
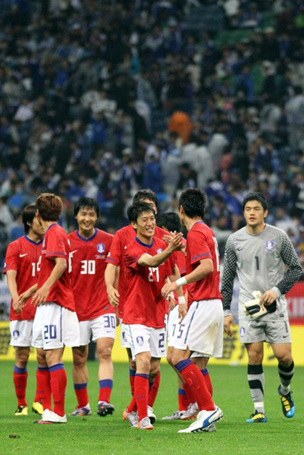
(195, 380)
(105, 391)
(183, 401)
(153, 390)
(82, 394)
(208, 381)
(141, 391)
(132, 406)
(43, 393)
(58, 387)
(132, 377)
(191, 398)
(20, 381)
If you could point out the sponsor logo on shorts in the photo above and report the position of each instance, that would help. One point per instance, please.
(16, 334)
(242, 331)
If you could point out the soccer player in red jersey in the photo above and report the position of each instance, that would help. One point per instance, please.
(21, 271)
(118, 296)
(200, 334)
(170, 222)
(55, 324)
(145, 310)
(97, 317)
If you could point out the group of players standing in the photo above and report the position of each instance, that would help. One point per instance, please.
(69, 289)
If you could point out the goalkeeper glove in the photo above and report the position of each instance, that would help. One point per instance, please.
(254, 308)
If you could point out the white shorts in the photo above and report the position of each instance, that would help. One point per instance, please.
(172, 326)
(21, 333)
(124, 336)
(55, 327)
(102, 327)
(202, 330)
(146, 339)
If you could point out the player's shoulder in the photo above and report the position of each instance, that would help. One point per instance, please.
(17, 244)
(274, 230)
(73, 235)
(104, 235)
(159, 243)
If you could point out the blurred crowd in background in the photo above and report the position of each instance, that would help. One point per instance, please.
(102, 98)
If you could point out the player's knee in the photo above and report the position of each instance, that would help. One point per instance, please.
(132, 364)
(285, 359)
(79, 359)
(22, 357)
(41, 360)
(104, 353)
(143, 363)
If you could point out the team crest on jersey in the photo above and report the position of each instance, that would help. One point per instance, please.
(101, 248)
(270, 244)
(160, 250)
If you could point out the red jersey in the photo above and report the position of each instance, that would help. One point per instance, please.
(88, 267)
(144, 304)
(121, 238)
(202, 244)
(56, 245)
(22, 255)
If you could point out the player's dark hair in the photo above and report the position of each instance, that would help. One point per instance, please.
(169, 220)
(86, 202)
(28, 214)
(193, 201)
(135, 210)
(49, 206)
(145, 194)
(256, 196)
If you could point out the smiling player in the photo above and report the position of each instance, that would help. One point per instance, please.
(96, 315)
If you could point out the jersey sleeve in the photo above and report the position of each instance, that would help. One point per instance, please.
(294, 269)
(56, 247)
(198, 248)
(115, 253)
(12, 259)
(229, 273)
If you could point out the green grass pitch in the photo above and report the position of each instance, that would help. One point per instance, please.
(112, 436)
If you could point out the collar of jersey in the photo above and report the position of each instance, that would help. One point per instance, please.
(201, 221)
(144, 244)
(32, 241)
(54, 224)
(90, 238)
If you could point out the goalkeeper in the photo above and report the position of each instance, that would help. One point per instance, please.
(266, 264)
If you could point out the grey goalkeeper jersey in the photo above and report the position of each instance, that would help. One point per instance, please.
(261, 262)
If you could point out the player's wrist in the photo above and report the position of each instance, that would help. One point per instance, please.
(181, 281)
(181, 300)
